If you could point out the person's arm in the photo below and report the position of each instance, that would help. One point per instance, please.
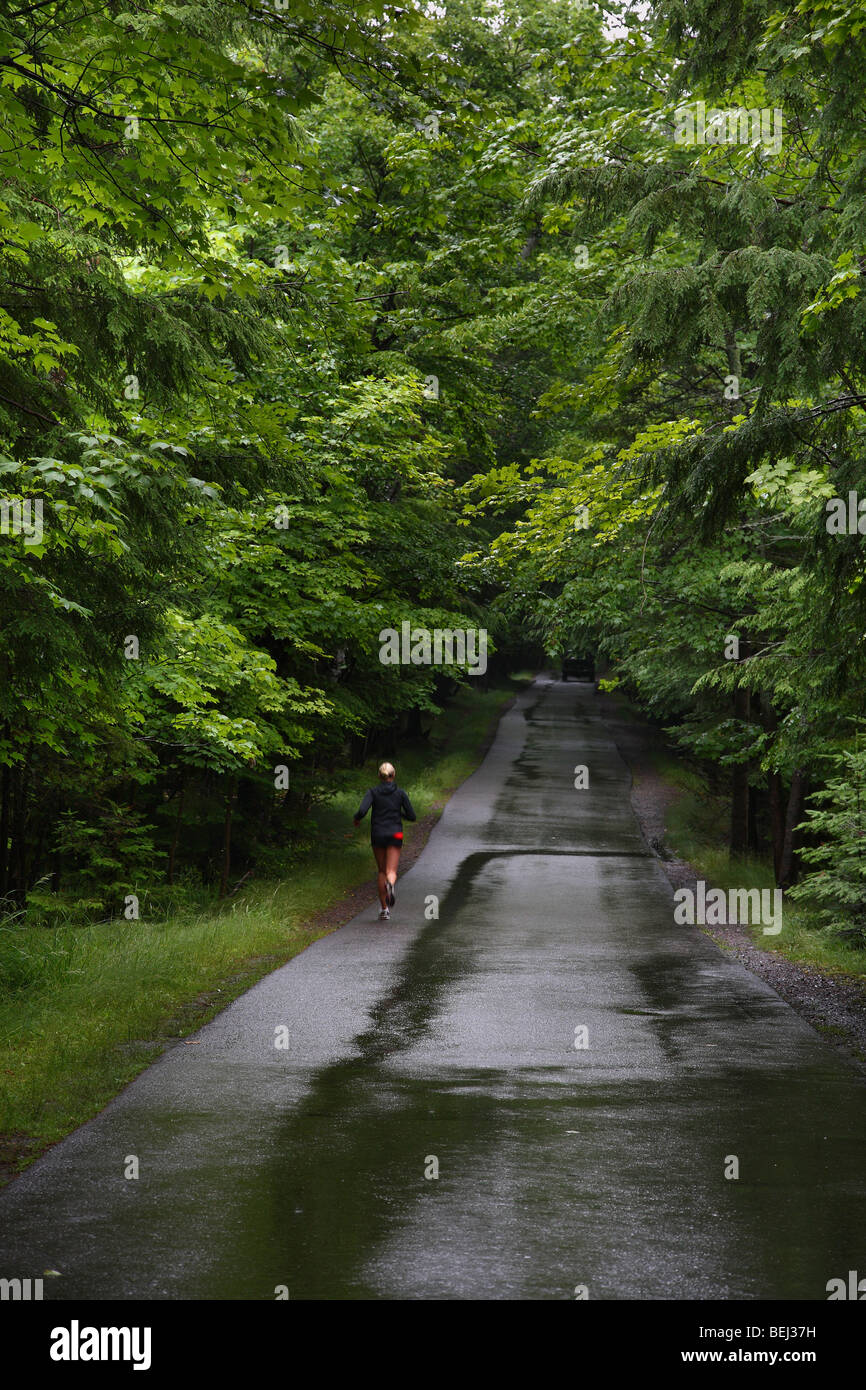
(364, 806)
(407, 808)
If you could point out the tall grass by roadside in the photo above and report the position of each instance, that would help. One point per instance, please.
(84, 1008)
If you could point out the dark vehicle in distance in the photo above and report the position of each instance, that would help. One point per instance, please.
(581, 667)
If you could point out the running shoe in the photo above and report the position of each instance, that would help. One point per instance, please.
(385, 915)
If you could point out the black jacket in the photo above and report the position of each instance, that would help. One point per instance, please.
(390, 803)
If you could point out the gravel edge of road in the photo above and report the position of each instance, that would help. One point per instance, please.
(834, 1005)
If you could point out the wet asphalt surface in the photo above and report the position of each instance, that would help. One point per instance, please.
(449, 1043)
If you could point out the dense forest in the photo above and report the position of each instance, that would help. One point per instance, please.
(539, 317)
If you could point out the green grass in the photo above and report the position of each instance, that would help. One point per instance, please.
(84, 1008)
(697, 828)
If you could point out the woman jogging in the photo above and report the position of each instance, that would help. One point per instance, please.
(390, 804)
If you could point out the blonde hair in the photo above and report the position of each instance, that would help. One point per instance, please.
(386, 770)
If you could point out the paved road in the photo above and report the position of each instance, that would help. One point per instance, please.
(601, 1166)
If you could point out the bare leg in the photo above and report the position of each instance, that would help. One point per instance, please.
(380, 852)
(392, 859)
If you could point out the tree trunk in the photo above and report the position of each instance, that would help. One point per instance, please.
(4, 831)
(793, 816)
(15, 872)
(19, 829)
(740, 790)
(775, 792)
(35, 864)
(777, 820)
(174, 839)
(732, 352)
(755, 806)
(227, 842)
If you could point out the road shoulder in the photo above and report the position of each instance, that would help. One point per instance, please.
(834, 1005)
